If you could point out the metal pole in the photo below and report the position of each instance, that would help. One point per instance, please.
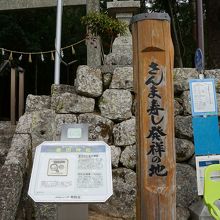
(58, 41)
(200, 29)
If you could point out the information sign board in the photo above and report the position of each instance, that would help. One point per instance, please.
(203, 97)
(66, 171)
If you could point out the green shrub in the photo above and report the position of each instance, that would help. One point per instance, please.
(100, 24)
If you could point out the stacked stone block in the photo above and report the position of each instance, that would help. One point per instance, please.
(105, 100)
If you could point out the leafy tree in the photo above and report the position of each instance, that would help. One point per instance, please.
(34, 30)
(213, 33)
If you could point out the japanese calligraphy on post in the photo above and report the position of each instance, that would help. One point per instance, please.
(155, 110)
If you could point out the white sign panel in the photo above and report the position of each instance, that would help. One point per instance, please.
(203, 96)
(201, 163)
(71, 172)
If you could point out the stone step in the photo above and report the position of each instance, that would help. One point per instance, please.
(6, 128)
(6, 134)
(4, 148)
(6, 138)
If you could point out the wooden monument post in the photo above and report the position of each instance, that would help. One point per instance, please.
(153, 79)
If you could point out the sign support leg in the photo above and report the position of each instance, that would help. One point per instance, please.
(70, 211)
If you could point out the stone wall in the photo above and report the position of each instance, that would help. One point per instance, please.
(104, 99)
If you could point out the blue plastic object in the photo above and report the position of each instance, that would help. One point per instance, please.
(206, 135)
(199, 60)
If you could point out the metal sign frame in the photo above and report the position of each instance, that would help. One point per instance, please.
(209, 83)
